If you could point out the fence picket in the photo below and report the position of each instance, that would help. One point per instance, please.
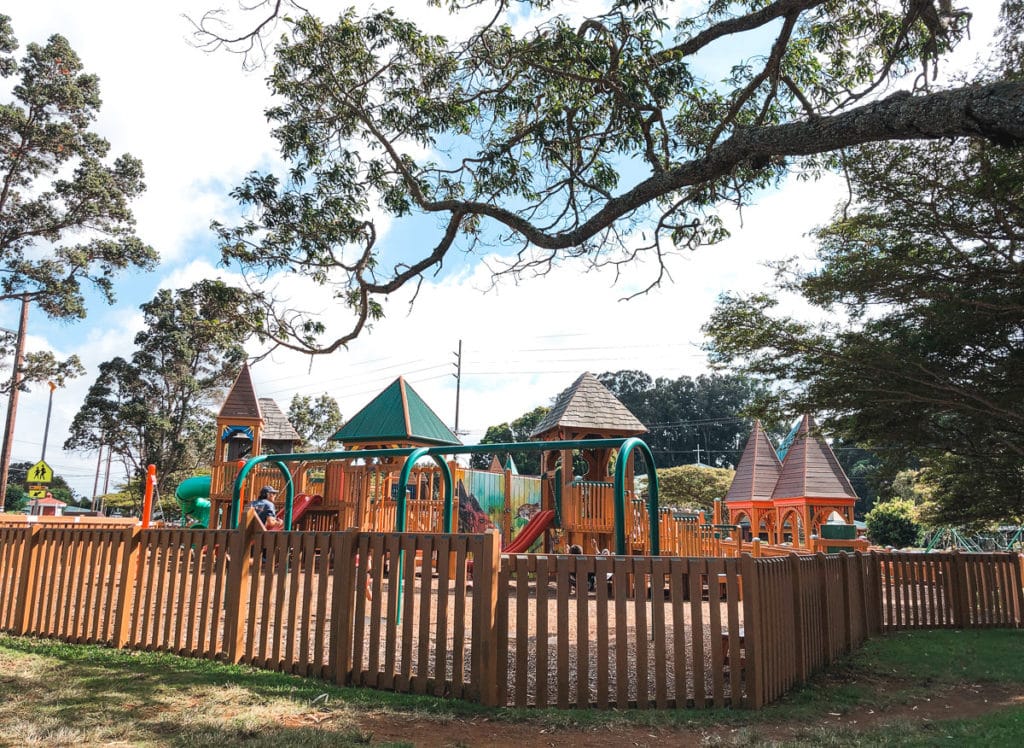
(564, 565)
(394, 570)
(659, 568)
(441, 627)
(678, 570)
(698, 570)
(603, 570)
(643, 588)
(621, 641)
(585, 567)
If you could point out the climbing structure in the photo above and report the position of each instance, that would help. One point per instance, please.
(247, 425)
(583, 503)
(361, 492)
(789, 501)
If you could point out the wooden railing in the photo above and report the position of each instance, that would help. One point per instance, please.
(587, 507)
(949, 590)
(80, 521)
(448, 615)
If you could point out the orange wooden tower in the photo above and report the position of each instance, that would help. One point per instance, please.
(789, 501)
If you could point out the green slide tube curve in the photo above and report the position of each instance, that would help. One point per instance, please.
(192, 495)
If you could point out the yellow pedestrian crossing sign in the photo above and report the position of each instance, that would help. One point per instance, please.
(40, 473)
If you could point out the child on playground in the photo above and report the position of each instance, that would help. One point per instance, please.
(265, 509)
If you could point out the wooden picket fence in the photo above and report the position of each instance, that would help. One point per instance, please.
(448, 615)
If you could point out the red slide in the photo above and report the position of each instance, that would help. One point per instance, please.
(301, 503)
(540, 522)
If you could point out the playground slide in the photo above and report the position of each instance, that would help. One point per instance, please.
(301, 503)
(540, 522)
(193, 496)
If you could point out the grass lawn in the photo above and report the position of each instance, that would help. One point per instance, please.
(958, 688)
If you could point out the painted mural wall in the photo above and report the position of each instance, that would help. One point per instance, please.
(482, 500)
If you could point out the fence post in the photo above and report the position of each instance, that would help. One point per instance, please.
(485, 585)
(27, 584)
(131, 548)
(865, 597)
(961, 600)
(847, 602)
(1020, 590)
(236, 593)
(343, 603)
(798, 618)
(878, 559)
(826, 613)
(752, 618)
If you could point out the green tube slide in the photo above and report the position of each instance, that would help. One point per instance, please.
(193, 496)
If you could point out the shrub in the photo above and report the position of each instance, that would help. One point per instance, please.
(893, 523)
(693, 486)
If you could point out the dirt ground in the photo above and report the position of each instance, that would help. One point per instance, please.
(948, 703)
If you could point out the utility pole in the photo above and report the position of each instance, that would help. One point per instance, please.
(458, 384)
(46, 429)
(106, 478)
(96, 483)
(12, 402)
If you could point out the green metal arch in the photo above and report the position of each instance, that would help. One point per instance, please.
(620, 495)
(403, 485)
(280, 459)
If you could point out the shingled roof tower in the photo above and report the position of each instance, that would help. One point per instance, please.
(239, 422)
(585, 410)
(794, 498)
(758, 470)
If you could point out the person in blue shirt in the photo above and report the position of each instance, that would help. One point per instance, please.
(264, 506)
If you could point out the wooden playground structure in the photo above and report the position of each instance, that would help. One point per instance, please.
(784, 504)
(363, 486)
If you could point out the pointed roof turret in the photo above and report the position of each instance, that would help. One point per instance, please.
(758, 470)
(589, 406)
(398, 415)
(811, 469)
(277, 426)
(241, 401)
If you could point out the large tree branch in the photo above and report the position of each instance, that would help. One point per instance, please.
(737, 25)
(994, 111)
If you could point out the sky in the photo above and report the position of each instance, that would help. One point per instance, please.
(196, 121)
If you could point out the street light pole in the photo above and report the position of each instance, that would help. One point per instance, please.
(46, 429)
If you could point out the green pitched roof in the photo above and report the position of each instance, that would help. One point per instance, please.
(396, 415)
